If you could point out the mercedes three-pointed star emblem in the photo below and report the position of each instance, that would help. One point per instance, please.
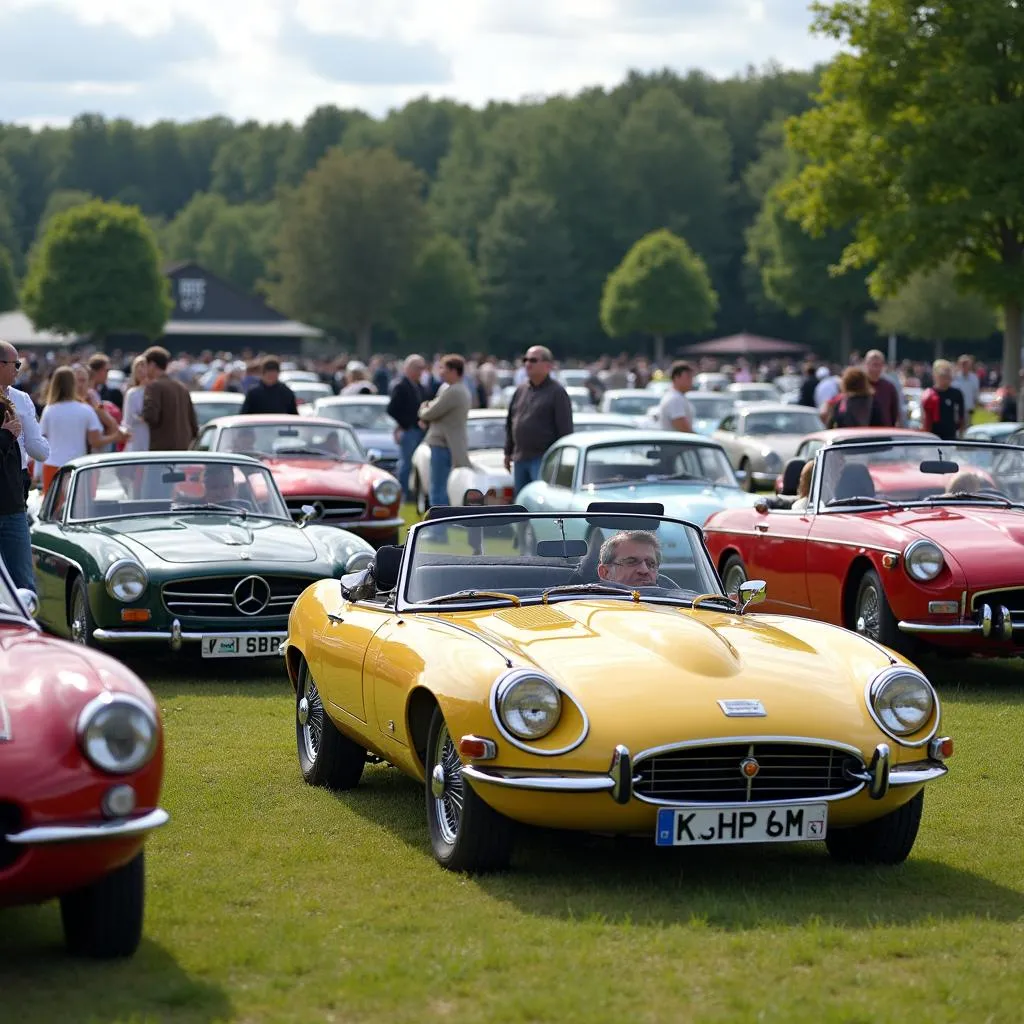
(252, 595)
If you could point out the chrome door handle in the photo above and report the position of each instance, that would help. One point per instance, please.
(761, 527)
(334, 618)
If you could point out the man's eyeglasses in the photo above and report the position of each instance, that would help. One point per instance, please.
(632, 563)
(16, 363)
(533, 359)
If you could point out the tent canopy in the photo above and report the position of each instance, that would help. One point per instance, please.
(17, 329)
(745, 345)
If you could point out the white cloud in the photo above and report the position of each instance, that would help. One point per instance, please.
(276, 60)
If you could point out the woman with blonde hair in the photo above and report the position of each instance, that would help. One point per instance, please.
(70, 425)
(133, 421)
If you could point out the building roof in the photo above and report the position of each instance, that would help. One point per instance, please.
(744, 344)
(241, 328)
(17, 329)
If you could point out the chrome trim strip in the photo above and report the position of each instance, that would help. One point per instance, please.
(918, 772)
(663, 802)
(468, 632)
(807, 539)
(119, 828)
(506, 678)
(111, 636)
(938, 628)
(364, 524)
(898, 670)
(548, 783)
(806, 741)
(621, 772)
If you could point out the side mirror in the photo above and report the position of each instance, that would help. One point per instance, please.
(310, 513)
(30, 601)
(357, 586)
(358, 561)
(374, 455)
(761, 506)
(751, 592)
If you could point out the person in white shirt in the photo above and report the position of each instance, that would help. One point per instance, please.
(967, 383)
(71, 426)
(139, 441)
(31, 441)
(828, 387)
(674, 409)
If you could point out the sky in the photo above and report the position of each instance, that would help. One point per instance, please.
(275, 60)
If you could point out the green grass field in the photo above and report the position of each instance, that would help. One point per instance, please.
(272, 901)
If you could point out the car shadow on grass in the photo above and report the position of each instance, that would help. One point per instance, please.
(40, 981)
(569, 875)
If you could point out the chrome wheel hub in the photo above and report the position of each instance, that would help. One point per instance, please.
(437, 780)
(303, 711)
(869, 616)
(446, 786)
(310, 714)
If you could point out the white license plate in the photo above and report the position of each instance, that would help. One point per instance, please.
(764, 823)
(241, 646)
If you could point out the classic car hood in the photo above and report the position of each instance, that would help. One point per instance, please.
(673, 665)
(784, 445)
(489, 460)
(321, 477)
(690, 502)
(210, 537)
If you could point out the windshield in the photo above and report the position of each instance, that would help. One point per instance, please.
(175, 485)
(306, 391)
(633, 405)
(754, 393)
(525, 556)
(663, 461)
(710, 408)
(796, 422)
(360, 417)
(933, 473)
(283, 439)
(206, 411)
(485, 433)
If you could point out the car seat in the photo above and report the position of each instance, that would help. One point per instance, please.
(854, 482)
(791, 476)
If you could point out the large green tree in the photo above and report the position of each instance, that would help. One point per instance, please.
(661, 288)
(8, 288)
(918, 139)
(60, 200)
(95, 271)
(440, 303)
(348, 241)
(931, 307)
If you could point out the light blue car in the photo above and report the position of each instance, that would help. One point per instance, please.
(690, 475)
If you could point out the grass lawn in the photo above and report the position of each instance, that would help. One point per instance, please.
(272, 901)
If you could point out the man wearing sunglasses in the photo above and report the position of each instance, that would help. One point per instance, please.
(20, 438)
(631, 558)
(538, 415)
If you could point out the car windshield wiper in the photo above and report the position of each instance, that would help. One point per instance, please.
(468, 595)
(860, 499)
(678, 476)
(968, 496)
(208, 506)
(300, 449)
(587, 588)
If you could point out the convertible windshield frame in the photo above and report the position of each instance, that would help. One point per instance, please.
(703, 562)
(656, 478)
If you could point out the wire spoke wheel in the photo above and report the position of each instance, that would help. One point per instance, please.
(79, 617)
(448, 806)
(868, 613)
(313, 727)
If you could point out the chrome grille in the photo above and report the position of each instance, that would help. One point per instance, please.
(712, 774)
(10, 821)
(334, 509)
(214, 596)
(1013, 600)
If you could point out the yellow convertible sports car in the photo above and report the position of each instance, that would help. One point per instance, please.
(587, 671)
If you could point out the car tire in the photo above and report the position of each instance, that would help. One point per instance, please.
(466, 834)
(80, 621)
(327, 757)
(748, 483)
(886, 840)
(104, 919)
(872, 616)
(734, 572)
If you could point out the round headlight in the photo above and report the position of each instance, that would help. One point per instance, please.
(903, 701)
(529, 706)
(387, 492)
(117, 733)
(126, 581)
(923, 560)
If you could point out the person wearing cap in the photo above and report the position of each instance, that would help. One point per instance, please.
(270, 395)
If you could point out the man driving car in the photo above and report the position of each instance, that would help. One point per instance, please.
(219, 484)
(630, 558)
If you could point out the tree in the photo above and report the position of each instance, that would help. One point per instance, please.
(238, 244)
(59, 201)
(527, 271)
(348, 241)
(441, 300)
(930, 307)
(918, 139)
(662, 287)
(96, 271)
(8, 289)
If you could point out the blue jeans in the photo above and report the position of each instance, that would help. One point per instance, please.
(407, 444)
(525, 472)
(440, 467)
(16, 549)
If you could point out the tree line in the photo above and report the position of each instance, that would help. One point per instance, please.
(496, 228)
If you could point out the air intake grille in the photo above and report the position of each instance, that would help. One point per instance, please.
(334, 509)
(215, 597)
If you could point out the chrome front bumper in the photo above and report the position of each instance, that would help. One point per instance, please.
(175, 636)
(992, 623)
(879, 776)
(116, 828)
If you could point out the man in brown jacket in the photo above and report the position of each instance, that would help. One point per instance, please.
(167, 406)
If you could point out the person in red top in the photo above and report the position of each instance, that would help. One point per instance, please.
(942, 405)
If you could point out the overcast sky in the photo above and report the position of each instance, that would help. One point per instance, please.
(273, 60)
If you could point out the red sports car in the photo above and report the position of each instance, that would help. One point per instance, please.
(81, 763)
(316, 462)
(915, 543)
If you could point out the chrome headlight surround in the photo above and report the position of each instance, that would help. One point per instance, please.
(923, 560)
(510, 685)
(118, 733)
(902, 702)
(126, 580)
(387, 491)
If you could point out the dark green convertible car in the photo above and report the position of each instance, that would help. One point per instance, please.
(178, 548)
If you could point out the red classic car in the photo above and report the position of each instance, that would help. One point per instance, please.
(915, 543)
(81, 763)
(316, 462)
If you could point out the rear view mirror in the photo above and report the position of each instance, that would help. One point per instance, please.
(174, 476)
(939, 467)
(561, 548)
(288, 432)
(374, 455)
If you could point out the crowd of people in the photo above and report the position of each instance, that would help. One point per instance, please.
(62, 405)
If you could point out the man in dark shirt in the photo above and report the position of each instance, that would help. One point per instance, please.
(538, 415)
(15, 543)
(270, 395)
(403, 407)
(886, 403)
(808, 385)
